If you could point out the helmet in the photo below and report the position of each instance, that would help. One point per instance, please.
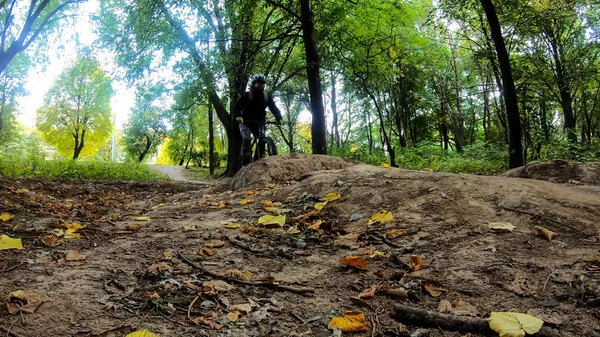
(258, 78)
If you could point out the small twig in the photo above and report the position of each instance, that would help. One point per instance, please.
(190, 308)
(560, 222)
(384, 239)
(548, 279)
(13, 267)
(295, 315)
(274, 286)
(243, 245)
(10, 327)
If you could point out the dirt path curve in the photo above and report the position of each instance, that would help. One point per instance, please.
(176, 173)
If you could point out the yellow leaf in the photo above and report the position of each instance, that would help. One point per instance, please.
(352, 321)
(319, 205)
(331, 197)
(7, 242)
(293, 230)
(233, 225)
(240, 275)
(514, 324)
(501, 226)
(50, 241)
(272, 220)
(316, 225)
(355, 261)
(251, 192)
(246, 201)
(268, 203)
(21, 191)
(142, 333)
(222, 205)
(277, 210)
(206, 196)
(141, 218)
(548, 234)
(415, 262)
(386, 165)
(6, 216)
(382, 216)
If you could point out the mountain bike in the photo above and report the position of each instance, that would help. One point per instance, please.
(265, 146)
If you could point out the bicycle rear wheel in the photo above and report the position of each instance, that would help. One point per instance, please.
(270, 149)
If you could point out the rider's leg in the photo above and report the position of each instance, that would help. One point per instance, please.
(246, 152)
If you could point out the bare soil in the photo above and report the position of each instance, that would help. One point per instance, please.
(122, 286)
(559, 171)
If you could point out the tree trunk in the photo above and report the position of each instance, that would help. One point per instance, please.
(515, 146)
(544, 120)
(318, 127)
(187, 164)
(145, 152)
(211, 141)
(335, 124)
(369, 131)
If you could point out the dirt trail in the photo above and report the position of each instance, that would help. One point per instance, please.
(134, 280)
(176, 173)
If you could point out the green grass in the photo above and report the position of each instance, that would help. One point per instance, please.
(203, 174)
(71, 169)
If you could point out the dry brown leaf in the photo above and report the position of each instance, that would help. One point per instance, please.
(134, 228)
(217, 285)
(434, 288)
(50, 241)
(25, 301)
(355, 262)
(369, 293)
(416, 262)
(351, 321)
(159, 267)
(215, 243)
(395, 293)
(368, 251)
(548, 234)
(206, 252)
(240, 275)
(233, 316)
(44, 260)
(318, 224)
(445, 307)
(73, 255)
(245, 308)
(248, 229)
(208, 323)
(380, 273)
(394, 233)
(152, 295)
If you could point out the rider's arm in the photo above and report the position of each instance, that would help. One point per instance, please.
(273, 108)
(240, 105)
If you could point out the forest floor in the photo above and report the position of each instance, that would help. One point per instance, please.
(137, 263)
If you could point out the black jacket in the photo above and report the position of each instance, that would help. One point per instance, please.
(253, 110)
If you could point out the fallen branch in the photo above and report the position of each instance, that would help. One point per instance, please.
(547, 218)
(9, 332)
(268, 285)
(243, 245)
(430, 319)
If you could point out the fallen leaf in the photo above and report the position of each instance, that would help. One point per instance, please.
(382, 216)
(44, 260)
(248, 229)
(246, 201)
(501, 226)
(368, 251)
(434, 288)
(331, 197)
(142, 333)
(206, 251)
(317, 225)
(50, 241)
(6, 217)
(25, 301)
(514, 324)
(355, 261)
(167, 255)
(218, 285)
(548, 234)
(7, 243)
(394, 233)
(206, 196)
(233, 316)
(277, 210)
(369, 293)
(380, 273)
(395, 293)
(319, 205)
(378, 255)
(209, 323)
(141, 218)
(153, 294)
(245, 308)
(361, 303)
(134, 228)
(251, 192)
(233, 225)
(445, 307)
(222, 205)
(271, 221)
(240, 275)
(268, 203)
(386, 165)
(351, 321)
(215, 243)
(416, 262)
(313, 213)
(73, 255)
(293, 230)
(159, 267)
(71, 230)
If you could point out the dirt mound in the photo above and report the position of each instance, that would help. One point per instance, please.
(281, 169)
(559, 171)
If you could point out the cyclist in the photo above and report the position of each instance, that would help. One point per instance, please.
(250, 113)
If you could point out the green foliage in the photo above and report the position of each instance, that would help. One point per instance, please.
(75, 117)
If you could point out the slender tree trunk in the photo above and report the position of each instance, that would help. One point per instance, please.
(510, 95)
(146, 149)
(211, 141)
(369, 131)
(187, 164)
(318, 127)
(335, 125)
(544, 120)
